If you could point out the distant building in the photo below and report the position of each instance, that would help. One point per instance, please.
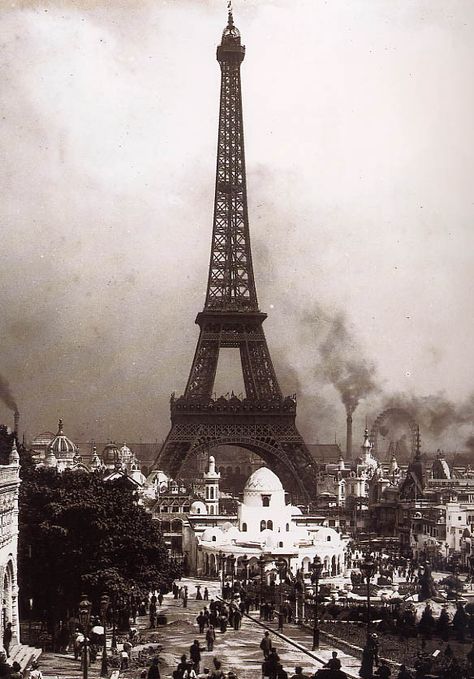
(9, 488)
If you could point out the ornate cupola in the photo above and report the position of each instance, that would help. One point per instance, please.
(62, 449)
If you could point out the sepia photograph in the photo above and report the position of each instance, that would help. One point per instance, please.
(236, 367)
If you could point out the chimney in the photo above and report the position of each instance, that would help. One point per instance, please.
(16, 418)
(349, 437)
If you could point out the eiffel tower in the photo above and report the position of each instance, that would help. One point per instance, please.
(264, 420)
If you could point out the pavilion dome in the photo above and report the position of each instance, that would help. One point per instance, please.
(263, 480)
(111, 454)
(61, 446)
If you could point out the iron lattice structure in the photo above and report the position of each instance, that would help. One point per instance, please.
(263, 421)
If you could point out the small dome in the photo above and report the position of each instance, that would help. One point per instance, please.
(61, 446)
(111, 454)
(210, 532)
(198, 507)
(263, 480)
(126, 454)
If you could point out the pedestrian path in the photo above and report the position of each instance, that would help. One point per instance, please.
(238, 650)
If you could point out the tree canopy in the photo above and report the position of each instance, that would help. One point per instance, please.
(79, 534)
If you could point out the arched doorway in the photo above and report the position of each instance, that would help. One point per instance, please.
(9, 599)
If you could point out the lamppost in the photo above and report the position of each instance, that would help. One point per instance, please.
(114, 622)
(261, 562)
(446, 546)
(245, 565)
(456, 576)
(231, 563)
(221, 563)
(104, 605)
(316, 570)
(368, 567)
(84, 618)
(281, 565)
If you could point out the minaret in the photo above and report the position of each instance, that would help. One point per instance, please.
(366, 447)
(211, 479)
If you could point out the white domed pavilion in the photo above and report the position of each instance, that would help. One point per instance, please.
(265, 525)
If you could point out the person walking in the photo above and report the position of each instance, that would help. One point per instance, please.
(237, 619)
(201, 621)
(333, 663)
(206, 594)
(153, 670)
(217, 672)
(210, 637)
(181, 667)
(273, 663)
(124, 659)
(195, 655)
(266, 645)
(299, 673)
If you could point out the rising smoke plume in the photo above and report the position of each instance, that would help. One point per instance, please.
(6, 395)
(435, 414)
(342, 361)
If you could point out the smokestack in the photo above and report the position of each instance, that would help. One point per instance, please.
(349, 436)
(16, 419)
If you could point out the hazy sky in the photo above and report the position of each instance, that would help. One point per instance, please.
(360, 168)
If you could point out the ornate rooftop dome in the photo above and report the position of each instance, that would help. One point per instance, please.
(263, 480)
(126, 454)
(111, 454)
(61, 446)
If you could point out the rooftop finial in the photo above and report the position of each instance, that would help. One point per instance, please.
(231, 18)
(60, 426)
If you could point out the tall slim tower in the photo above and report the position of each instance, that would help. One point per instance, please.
(263, 421)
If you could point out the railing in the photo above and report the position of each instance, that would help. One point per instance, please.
(233, 404)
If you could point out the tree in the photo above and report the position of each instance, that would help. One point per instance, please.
(81, 534)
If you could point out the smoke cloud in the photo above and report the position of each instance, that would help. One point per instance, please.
(342, 361)
(436, 413)
(6, 395)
